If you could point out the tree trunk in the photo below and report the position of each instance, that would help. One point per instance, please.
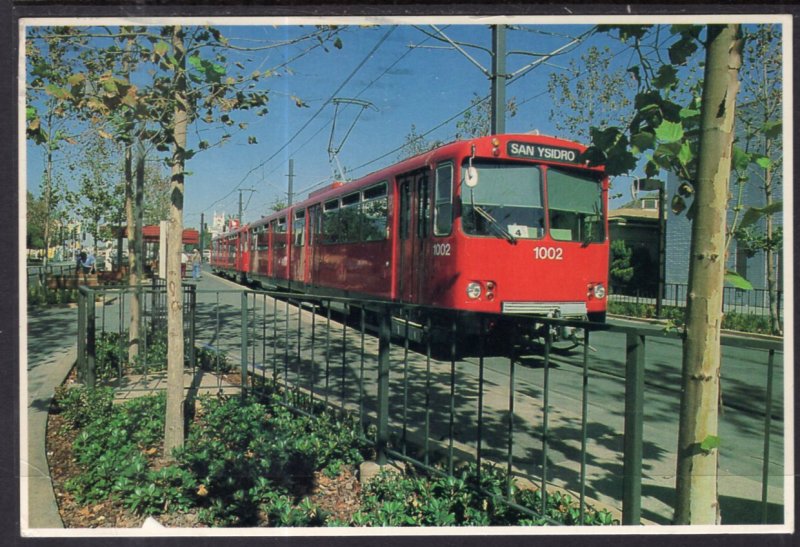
(48, 199)
(133, 254)
(697, 499)
(174, 433)
(769, 251)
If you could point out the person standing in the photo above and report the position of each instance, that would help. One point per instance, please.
(87, 262)
(196, 260)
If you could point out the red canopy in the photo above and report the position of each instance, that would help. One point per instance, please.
(153, 234)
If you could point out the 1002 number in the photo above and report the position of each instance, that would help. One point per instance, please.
(548, 253)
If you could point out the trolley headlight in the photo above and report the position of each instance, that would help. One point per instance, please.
(599, 291)
(474, 290)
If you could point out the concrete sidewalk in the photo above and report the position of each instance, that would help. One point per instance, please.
(41, 510)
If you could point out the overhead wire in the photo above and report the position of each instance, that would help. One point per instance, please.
(477, 103)
(313, 117)
(363, 90)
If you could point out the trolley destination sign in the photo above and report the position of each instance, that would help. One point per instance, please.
(543, 152)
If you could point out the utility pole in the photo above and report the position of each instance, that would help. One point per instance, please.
(240, 202)
(290, 194)
(499, 77)
(202, 233)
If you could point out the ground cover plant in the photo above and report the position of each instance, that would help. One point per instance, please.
(253, 462)
(675, 316)
(111, 355)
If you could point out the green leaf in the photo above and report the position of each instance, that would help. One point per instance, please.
(337, 43)
(632, 31)
(647, 100)
(667, 77)
(643, 140)
(651, 168)
(772, 129)
(681, 50)
(741, 159)
(57, 92)
(619, 161)
(688, 113)
(736, 280)
(75, 79)
(593, 155)
(764, 162)
(669, 132)
(30, 113)
(161, 48)
(196, 62)
(754, 214)
(252, 140)
(710, 443)
(685, 155)
(605, 138)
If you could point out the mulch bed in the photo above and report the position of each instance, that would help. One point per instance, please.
(339, 496)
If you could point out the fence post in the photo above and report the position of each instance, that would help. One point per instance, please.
(245, 343)
(81, 336)
(192, 333)
(634, 422)
(91, 340)
(384, 342)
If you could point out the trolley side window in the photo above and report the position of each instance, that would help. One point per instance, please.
(280, 233)
(263, 239)
(374, 213)
(423, 207)
(298, 228)
(349, 218)
(443, 201)
(575, 202)
(404, 189)
(330, 224)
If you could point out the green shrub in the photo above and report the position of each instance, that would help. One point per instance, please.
(81, 406)
(111, 353)
(677, 316)
(252, 462)
(212, 360)
(746, 322)
(392, 499)
(112, 449)
(247, 455)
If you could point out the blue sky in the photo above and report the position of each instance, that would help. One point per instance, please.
(409, 77)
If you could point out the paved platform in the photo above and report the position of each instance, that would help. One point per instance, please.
(198, 383)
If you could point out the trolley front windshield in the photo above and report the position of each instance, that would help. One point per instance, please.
(507, 198)
(508, 202)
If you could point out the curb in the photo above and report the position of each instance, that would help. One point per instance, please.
(42, 510)
(726, 332)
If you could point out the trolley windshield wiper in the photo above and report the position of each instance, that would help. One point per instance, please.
(494, 224)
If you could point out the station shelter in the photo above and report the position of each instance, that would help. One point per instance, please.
(151, 236)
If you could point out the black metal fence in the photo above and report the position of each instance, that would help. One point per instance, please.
(748, 302)
(441, 388)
